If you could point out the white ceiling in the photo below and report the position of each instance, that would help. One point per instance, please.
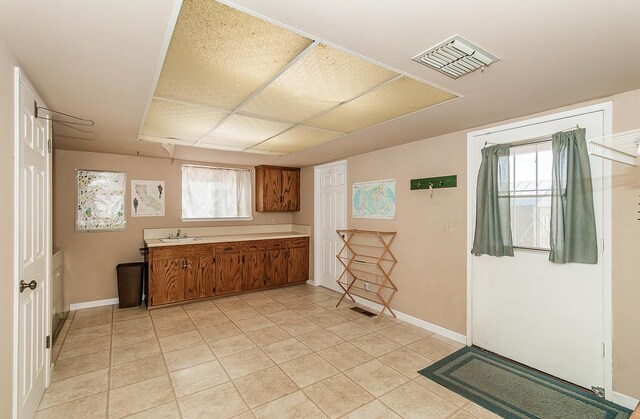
(100, 60)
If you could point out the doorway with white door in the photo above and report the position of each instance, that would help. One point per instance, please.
(555, 318)
(330, 214)
(32, 244)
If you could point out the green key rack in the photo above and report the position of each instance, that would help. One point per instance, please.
(437, 182)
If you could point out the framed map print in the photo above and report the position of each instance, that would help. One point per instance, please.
(147, 198)
(376, 199)
(100, 200)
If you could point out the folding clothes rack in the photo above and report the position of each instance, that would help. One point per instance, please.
(368, 262)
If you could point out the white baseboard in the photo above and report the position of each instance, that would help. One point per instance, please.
(91, 304)
(458, 337)
(624, 400)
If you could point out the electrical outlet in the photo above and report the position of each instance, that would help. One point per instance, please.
(273, 221)
(447, 227)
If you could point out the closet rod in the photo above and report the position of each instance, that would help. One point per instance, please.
(534, 140)
(82, 121)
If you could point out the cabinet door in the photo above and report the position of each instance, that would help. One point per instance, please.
(254, 270)
(298, 264)
(166, 282)
(290, 190)
(272, 190)
(200, 276)
(276, 267)
(230, 273)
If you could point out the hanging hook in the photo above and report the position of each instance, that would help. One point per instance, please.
(430, 190)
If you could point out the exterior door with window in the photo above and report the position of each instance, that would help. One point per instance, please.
(545, 315)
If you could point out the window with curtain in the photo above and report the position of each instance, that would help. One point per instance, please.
(530, 194)
(215, 193)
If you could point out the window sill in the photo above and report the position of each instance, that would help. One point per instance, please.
(200, 220)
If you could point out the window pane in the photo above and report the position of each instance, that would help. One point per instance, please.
(531, 196)
(544, 222)
(523, 228)
(524, 170)
(545, 160)
(209, 192)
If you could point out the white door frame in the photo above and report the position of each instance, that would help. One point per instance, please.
(20, 78)
(317, 226)
(607, 110)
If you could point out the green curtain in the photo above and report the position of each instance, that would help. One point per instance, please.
(573, 221)
(493, 212)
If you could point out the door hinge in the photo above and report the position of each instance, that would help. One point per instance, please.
(49, 145)
(598, 391)
(603, 351)
(602, 251)
(48, 342)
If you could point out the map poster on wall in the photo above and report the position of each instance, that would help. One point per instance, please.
(376, 199)
(147, 198)
(100, 202)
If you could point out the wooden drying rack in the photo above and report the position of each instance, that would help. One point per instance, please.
(368, 275)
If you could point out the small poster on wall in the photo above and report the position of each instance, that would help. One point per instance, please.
(147, 198)
(376, 199)
(100, 200)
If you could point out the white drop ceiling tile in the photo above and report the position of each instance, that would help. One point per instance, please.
(323, 78)
(244, 131)
(392, 100)
(296, 139)
(179, 121)
(161, 140)
(218, 56)
(219, 147)
(265, 152)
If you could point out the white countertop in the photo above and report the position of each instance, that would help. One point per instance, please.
(229, 238)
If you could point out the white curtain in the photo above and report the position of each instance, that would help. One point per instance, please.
(209, 192)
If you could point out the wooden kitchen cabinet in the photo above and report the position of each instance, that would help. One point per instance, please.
(230, 268)
(190, 272)
(178, 273)
(200, 277)
(297, 260)
(277, 189)
(254, 260)
(276, 263)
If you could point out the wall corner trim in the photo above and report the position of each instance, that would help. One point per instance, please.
(91, 304)
(625, 401)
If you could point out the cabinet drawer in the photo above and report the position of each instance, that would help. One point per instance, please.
(229, 248)
(299, 242)
(276, 244)
(253, 246)
(181, 251)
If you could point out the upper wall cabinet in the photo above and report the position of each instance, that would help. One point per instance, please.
(277, 189)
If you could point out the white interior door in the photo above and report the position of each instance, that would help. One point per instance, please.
(547, 316)
(33, 253)
(330, 215)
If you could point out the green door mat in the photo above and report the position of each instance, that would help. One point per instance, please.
(513, 391)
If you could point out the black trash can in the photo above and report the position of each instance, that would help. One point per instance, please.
(130, 277)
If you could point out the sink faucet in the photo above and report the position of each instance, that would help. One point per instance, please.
(177, 236)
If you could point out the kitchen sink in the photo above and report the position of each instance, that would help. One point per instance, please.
(180, 239)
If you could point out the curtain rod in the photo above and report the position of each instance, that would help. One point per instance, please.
(534, 140)
(217, 167)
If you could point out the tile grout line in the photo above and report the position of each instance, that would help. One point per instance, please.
(166, 366)
(110, 356)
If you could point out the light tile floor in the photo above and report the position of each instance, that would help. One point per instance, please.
(281, 353)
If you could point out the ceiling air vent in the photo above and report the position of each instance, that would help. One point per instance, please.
(456, 57)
